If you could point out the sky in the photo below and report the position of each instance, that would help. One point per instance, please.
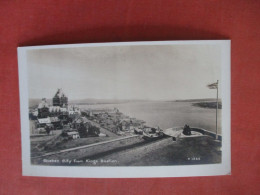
(154, 72)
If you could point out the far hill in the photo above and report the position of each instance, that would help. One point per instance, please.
(103, 101)
(204, 103)
(198, 100)
(33, 103)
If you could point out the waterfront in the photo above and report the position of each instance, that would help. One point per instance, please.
(167, 114)
(118, 123)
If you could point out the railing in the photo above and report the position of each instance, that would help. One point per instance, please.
(206, 132)
(200, 130)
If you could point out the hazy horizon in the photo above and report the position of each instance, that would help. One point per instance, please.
(50, 98)
(154, 72)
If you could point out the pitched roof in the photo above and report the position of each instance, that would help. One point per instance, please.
(72, 133)
(44, 120)
(54, 119)
(81, 120)
(60, 93)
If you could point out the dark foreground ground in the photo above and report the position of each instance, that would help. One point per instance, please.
(137, 152)
(200, 150)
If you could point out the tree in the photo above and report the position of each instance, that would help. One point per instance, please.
(93, 130)
(83, 132)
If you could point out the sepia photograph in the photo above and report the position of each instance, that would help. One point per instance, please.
(142, 109)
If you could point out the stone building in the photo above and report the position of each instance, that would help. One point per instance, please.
(60, 99)
(43, 109)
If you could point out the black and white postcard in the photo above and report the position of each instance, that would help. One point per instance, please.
(131, 109)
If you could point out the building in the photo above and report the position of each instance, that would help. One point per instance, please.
(60, 99)
(73, 110)
(60, 113)
(43, 109)
(77, 123)
(42, 122)
(56, 122)
(55, 110)
(73, 134)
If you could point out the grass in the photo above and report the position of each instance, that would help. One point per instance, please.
(59, 142)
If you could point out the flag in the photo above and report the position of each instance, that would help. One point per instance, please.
(213, 86)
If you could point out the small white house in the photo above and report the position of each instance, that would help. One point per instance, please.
(42, 122)
(73, 134)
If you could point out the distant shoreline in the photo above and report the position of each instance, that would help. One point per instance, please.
(198, 100)
(210, 105)
(205, 103)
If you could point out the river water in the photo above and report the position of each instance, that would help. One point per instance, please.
(167, 114)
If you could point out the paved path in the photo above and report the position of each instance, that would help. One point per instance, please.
(85, 146)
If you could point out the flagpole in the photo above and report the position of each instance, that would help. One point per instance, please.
(217, 114)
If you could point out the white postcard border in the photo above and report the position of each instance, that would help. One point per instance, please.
(223, 168)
